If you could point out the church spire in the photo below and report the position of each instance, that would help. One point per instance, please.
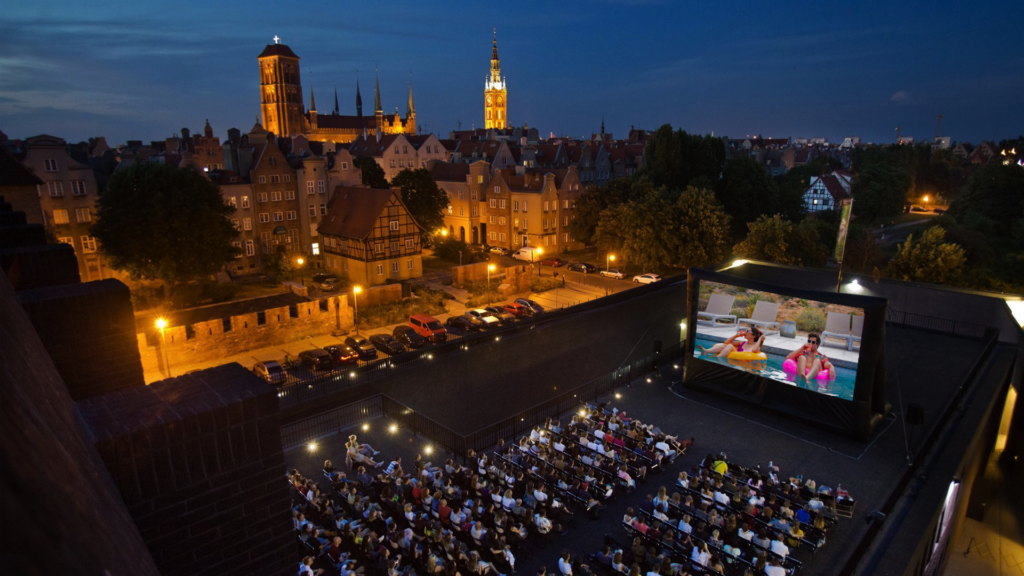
(376, 101)
(494, 51)
(359, 98)
(312, 99)
(336, 111)
(412, 108)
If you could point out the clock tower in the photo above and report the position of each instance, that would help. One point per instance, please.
(495, 103)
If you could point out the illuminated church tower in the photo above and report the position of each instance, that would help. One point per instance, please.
(280, 90)
(495, 103)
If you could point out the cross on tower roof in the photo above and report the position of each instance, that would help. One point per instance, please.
(276, 39)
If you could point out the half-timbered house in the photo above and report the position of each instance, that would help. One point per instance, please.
(370, 237)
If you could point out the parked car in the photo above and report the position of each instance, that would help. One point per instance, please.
(503, 315)
(582, 267)
(317, 359)
(428, 327)
(330, 284)
(363, 348)
(515, 308)
(613, 273)
(499, 251)
(532, 308)
(270, 371)
(465, 322)
(939, 210)
(484, 316)
(406, 335)
(646, 278)
(553, 262)
(918, 209)
(342, 354)
(387, 343)
(321, 277)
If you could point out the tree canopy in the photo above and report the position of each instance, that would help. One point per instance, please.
(767, 239)
(421, 195)
(159, 222)
(702, 228)
(746, 192)
(677, 159)
(928, 260)
(372, 173)
(880, 190)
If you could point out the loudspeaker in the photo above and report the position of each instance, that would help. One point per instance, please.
(657, 346)
(914, 415)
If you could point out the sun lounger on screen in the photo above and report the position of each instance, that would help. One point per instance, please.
(765, 317)
(837, 326)
(719, 307)
(855, 332)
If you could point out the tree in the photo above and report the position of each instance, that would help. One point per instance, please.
(159, 222)
(746, 192)
(995, 191)
(421, 195)
(593, 201)
(678, 159)
(767, 239)
(372, 173)
(276, 267)
(880, 190)
(702, 229)
(928, 260)
(811, 242)
(641, 230)
(861, 249)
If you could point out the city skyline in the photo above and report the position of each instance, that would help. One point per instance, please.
(126, 72)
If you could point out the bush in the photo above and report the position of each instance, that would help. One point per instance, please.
(397, 312)
(218, 292)
(810, 320)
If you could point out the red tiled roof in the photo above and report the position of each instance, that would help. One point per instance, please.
(353, 212)
(339, 122)
(445, 172)
(834, 187)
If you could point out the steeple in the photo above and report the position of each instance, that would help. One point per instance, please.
(359, 98)
(312, 99)
(495, 63)
(412, 108)
(376, 101)
(336, 101)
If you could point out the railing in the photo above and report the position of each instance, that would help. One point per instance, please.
(945, 325)
(380, 405)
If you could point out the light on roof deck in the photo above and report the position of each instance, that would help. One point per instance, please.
(854, 286)
(393, 428)
(428, 450)
(311, 446)
(366, 427)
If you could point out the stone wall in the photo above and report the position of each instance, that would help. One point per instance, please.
(476, 272)
(205, 341)
(382, 294)
(199, 464)
(518, 279)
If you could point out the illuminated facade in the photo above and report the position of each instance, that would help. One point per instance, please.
(495, 94)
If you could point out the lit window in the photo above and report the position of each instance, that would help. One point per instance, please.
(60, 216)
(88, 244)
(245, 201)
(316, 248)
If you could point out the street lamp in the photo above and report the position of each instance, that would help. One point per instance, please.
(608, 261)
(302, 273)
(355, 306)
(161, 323)
(490, 268)
(540, 254)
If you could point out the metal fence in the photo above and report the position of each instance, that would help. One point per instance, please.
(381, 405)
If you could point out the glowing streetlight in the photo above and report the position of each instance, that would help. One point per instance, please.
(608, 262)
(540, 254)
(302, 271)
(161, 323)
(355, 306)
(311, 446)
(490, 268)
(925, 197)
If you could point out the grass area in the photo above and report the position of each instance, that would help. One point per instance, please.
(399, 312)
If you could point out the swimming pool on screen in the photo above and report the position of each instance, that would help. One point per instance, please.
(841, 387)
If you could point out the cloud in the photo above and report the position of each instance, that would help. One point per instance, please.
(900, 97)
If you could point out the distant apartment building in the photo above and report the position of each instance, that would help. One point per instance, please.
(395, 153)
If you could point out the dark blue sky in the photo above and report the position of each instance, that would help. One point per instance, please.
(143, 70)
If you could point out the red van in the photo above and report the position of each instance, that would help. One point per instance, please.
(428, 327)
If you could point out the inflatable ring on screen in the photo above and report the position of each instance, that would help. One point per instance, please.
(747, 356)
(789, 365)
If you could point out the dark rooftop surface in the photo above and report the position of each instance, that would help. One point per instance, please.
(923, 367)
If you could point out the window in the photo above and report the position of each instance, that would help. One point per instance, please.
(497, 189)
(60, 216)
(492, 236)
(312, 209)
(524, 205)
(380, 269)
(546, 205)
(565, 221)
(501, 220)
(245, 201)
(51, 165)
(450, 209)
(55, 188)
(501, 203)
(246, 223)
(409, 265)
(275, 179)
(275, 196)
(234, 223)
(492, 219)
(264, 217)
(378, 248)
(344, 165)
(474, 211)
(291, 214)
(287, 177)
(502, 235)
(494, 203)
(409, 244)
(472, 195)
(88, 244)
(480, 179)
(321, 186)
(262, 179)
(544, 224)
(462, 195)
(278, 216)
(232, 201)
(323, 209)
(393, 225)
(67, 240)
(316, 248)
(289, 194)
(405, 149)
(273, 161)
(392, 163)
(565, 237)
(401, 163)
(525, 222)
(394, 266)
(515, 205)
(462, 211)
(78, 187)
(565, 204)
(238, 245)
(83, 214)
(262, 197)
(310, 188)
(515, 222)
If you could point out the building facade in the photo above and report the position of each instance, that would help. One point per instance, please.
(826, 192)
(370, 237)
(464, 185)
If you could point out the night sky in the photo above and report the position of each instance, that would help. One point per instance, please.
(144, 70)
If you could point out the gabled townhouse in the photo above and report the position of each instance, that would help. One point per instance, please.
(238, 192)
(370, 237)
(398, 152)
(826, 192)
(276, 204)
(464, 185)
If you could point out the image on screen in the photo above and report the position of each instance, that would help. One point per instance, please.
(810, 344)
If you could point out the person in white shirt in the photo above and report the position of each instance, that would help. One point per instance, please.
(773, 568)
(565, 565)
(540, 495)
(700, 554)
(745, 532)
(684, 525)
(540, 520)
(722, 498)
(559, 446)
(779, 547)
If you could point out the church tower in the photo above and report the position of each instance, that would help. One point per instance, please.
(495, 104)
(280, 90)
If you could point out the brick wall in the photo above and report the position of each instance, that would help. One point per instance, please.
(88, 330)
(204, 341)
(471, 273)
(518, 279)
(199, 464)
(382, 294)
